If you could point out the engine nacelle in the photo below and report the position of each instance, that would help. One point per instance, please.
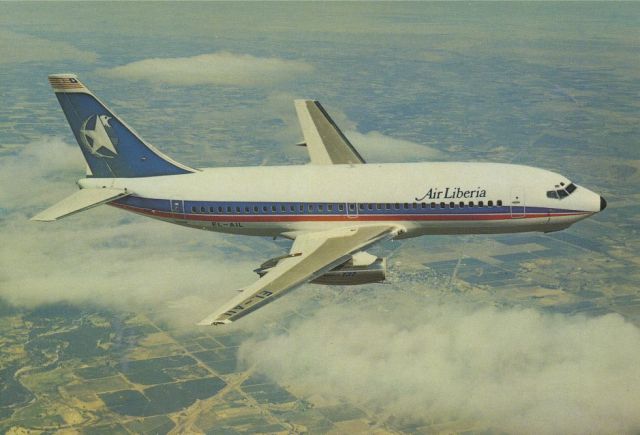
(361, 268)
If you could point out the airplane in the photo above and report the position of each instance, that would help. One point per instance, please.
(332, 209)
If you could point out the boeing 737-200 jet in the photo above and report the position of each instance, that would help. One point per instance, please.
(333, 208)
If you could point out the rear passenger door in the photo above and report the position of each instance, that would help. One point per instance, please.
(177, 209)
(352, 210)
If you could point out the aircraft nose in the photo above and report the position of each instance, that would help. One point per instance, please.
(603, 203)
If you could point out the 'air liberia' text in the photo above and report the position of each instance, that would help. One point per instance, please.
(453, 193)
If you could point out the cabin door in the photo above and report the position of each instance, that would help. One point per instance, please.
(352, 210)
(177, 209)
(518, 207)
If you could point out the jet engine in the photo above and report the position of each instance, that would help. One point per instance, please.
(361, 268)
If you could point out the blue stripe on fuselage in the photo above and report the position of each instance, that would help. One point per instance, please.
(245, 207)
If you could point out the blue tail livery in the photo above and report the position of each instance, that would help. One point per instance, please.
(111, 148)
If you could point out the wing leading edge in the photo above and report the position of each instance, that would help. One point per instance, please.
(311, 255)
(326, 144)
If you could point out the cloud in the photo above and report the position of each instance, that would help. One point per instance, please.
(514, 370)
(221, 68)
(49, 163)
(374, 146)
(377, 147)
(104, 256)
(19, 47)
(414, 358)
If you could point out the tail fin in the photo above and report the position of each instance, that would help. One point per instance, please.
(111, 148)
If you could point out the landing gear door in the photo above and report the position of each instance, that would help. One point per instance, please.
(177, 209)
(518, 207)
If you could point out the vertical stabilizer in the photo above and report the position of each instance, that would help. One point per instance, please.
(111, 148)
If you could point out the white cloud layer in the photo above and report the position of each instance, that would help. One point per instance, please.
(515, 370)
(103, 255)
(18, 48)
(221, 68)
(377, 147)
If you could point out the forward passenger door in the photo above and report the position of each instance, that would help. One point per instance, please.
(518, 207)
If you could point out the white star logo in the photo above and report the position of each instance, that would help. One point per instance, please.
(100, 137)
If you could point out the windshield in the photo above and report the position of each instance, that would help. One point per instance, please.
(561, 191)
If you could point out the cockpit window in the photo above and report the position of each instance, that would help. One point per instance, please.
(563, 192)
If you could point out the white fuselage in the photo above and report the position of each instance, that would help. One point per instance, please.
(421, 198)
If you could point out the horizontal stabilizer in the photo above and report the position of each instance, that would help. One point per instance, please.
(83, 199)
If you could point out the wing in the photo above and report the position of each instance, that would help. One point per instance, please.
(311, 255)
(324, 140)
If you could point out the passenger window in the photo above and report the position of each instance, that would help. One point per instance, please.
(352, 207)
(341, 207)
(490, 203)
(461, 204)
(203, 210)
(388, 206)
(310, 207)
(228, 209)
(499, 203)
(210, 209)
(273, 208)
(220, 209)
(397, 206)
(406, 206)
(237, 209)
(470, 203)
(292, 208)
(370, 206)
(301, 208)
(255, 209)
(480, 204)
(194, 209)
(320, 207)
(246, 209)
(452, 204)
(379, 206)
(330, 207)
(433, 205)
(415, 205)
(283, 208)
